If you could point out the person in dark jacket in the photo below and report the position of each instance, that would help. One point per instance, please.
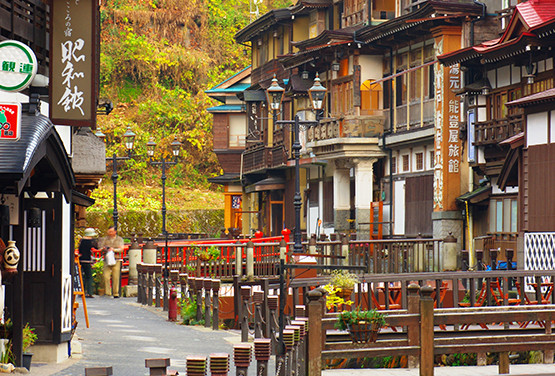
(88, 242)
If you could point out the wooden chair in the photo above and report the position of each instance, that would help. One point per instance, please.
(383, 307)
(479, 303)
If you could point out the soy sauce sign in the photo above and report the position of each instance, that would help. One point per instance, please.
(10, 121)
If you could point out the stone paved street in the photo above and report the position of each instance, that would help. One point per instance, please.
(123, 334)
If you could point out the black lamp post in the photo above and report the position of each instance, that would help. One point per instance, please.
(274, 95)
(129, 139)
(175, 146)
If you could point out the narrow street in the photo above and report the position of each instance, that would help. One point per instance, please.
(123, 334)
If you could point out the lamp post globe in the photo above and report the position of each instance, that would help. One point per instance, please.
(317, 94)
(150, 148)
(274, 95)
(176, 147)
(129, 137)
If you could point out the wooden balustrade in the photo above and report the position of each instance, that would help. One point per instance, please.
(430, 331)
(495, 131)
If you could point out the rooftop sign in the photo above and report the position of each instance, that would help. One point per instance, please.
(18, 66)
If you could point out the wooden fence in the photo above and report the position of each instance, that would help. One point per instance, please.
(428, 332)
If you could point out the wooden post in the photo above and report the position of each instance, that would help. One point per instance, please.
(207, 303)
(157, 366)
(245, 295)
(426, 331)
(199, 284)
(504, 363)
(242, 358)
(273, 325)
(312, 245)
(183, 277)
(156, 275)
(258, 298)
(413, 332)
(236, 300)
(215, 304)
(140, 283)
(98, 371)
(262, 354)
(238, 260)
(548, 354)
(315, 332)
(344, 249)
(265, 282)
(250, 260)
(149, 287)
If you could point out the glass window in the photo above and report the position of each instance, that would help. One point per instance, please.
(432, 164)
(419, 161)
(405, 162)
(514, 216)
(394, 165)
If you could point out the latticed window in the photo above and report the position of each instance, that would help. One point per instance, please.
(406, 166)
(419, 161)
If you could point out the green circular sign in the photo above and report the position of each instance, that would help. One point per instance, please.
(18, 66)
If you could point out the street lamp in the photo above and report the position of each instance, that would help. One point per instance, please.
(274, 95)
(129, 140)
(176, 148)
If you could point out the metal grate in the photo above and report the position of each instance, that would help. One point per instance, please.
(34, 244)
(539, 254)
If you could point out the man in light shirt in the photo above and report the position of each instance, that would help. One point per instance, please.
(112, 242)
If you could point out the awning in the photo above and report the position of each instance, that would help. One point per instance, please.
(476, 196)
(268, 184)
(82, 199)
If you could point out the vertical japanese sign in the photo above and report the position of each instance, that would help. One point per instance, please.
(447, 143)
(73, 62)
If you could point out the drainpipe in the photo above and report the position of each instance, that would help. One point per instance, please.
(384, 143)
(472, 22)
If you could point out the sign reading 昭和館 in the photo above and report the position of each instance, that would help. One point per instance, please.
(73, 62)
(10, 121)
(18, 66)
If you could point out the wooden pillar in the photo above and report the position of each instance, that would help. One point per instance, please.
(504, 363)
(215, 304)
(315, 332)
(413, 332)
(426, 331)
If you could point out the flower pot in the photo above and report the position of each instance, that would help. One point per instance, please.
(364, 332)
(101, 291)
(204, 256)
(27, 360)
(345, 294)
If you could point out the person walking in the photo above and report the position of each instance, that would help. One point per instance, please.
(88, 242)
(112, 249)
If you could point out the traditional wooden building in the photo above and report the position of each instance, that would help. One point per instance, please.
(508, 97)
(388, 148)
(229, 134)
(50, 158)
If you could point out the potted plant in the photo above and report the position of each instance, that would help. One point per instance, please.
(363, 326)
(29, 339)
(344, 282)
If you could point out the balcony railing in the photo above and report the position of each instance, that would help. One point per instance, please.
(260, 156)
(28, 21)
(494, 131)
(267, 71)
(349, 126)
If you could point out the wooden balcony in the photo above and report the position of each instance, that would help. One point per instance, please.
(28, 21)
(267, 71)
(260, 156)
(494, 131)
(347, 127)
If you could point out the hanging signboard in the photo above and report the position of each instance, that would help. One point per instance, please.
(10, 121)
(18, 65)
(73, 62)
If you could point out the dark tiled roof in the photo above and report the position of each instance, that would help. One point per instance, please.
(542, 97)
(39, 140)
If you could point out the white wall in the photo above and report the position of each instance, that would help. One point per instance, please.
(399, 207)
(371, 67)
(536, 133)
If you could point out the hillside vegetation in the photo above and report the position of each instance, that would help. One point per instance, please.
(157, 58)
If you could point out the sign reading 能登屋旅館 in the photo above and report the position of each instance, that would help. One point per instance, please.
(18, 66)
(73, 62)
